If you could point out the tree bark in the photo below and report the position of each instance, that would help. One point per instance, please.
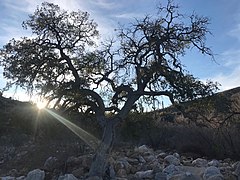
(99, 163)
(98, 167)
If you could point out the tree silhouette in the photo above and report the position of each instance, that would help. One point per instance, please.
(62, 63)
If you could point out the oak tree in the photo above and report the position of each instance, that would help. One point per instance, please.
(62, 62)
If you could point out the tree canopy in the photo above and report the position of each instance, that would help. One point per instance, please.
(146, 62)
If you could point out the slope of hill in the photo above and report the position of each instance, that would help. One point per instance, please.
(220, 109)
(29, 137)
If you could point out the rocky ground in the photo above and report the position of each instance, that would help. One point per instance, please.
(72, 161)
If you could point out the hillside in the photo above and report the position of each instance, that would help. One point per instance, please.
(31, 139)
(220, 109)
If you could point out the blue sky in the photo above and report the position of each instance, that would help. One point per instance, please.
(225, 27)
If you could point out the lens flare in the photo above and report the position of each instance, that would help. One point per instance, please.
(89, 139)
(41, 105)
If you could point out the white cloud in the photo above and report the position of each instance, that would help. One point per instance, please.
(230, 78)
(105, 4)
(130, 15)
(228, 81)
(231, 57)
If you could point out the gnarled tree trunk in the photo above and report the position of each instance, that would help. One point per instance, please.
(98, 166)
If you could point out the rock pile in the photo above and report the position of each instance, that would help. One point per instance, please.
(139, 163)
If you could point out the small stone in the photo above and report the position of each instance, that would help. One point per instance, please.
(176, 155)
(123, 164)
(50, 164)
(185, 176)
(237, 169)
(133, 161)
(141, 149)
(22, 153)
(112, 172)
(21, 178)
(79, 172)
(150, 158)
(141, 159)
(214, 162)
(36, 174)
(67, 177)
(170, 159)
(227, 160)
(199, 162)
(13, 172)
(121, 173)
(73, 161)
(160, 176)
(144, 174)
(7, 178)
(86, 160)
(212, 173)
(162, 155)
(171, 170)
(94, 178)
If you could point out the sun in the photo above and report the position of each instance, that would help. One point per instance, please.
(41, 104)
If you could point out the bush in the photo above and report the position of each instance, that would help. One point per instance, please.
(201, 141)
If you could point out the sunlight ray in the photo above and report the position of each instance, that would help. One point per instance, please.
(89, 139)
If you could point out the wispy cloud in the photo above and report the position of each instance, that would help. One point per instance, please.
(228, 81)
(109, 5)
(231, 63)
(130, 15)
(235, 32)
(15, 6)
